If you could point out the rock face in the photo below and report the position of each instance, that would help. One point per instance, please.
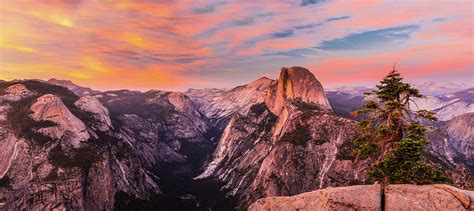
(9, 148)
(219, 104)
(291, 146)
(368, 197)
(60, 170)
(92, 105)
(50, 108)
(454, 141)
(184, 105)
(264, 155)
(158, 123)
(16, 92)
(297, 83)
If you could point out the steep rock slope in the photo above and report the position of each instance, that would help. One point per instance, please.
(170, 136)
(219, 104)
(299, 148)
(454, 141)
(296, 83)
(369, 197)
(161, 124)
(92, 105)
(52, 158)
(50, 108)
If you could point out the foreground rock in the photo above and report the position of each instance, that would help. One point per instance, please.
(369, 197)
(428, 197)
(362, 197)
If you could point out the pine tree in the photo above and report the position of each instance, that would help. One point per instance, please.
(391, 136)
(404, 164)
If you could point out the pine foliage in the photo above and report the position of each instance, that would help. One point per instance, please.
(391, 136)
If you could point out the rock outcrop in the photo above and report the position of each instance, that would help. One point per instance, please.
(427, 197)
(69, 128)
(16, 92)
(296, 83)
(185, 106)
(92, 105)
(454, 141)
(45, 163)
(371, 197)
(287, 145)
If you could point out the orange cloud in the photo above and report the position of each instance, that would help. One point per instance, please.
(166, 44)
(47, 14)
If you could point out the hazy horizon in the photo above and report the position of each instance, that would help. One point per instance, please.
(327, 88)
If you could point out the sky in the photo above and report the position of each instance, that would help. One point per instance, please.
(175, 45)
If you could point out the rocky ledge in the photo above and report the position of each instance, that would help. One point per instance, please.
(373, 197)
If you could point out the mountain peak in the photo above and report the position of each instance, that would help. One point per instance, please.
(297, 83)
(261, 83)
(78, 90)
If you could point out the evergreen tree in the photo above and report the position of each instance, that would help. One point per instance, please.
(404, 164)
(391, 136)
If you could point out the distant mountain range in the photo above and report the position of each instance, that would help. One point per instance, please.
(70, 147)
(434, 89)
(449, 100)
(428, 88)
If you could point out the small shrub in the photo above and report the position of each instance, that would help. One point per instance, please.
(346, 151)
(5, 182)
(258, 109)
(298, 137)
(82, 158)
(52, 176)
(306, 115)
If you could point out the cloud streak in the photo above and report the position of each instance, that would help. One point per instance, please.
(180, 44)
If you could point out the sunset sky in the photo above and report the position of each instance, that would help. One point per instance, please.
(166, 44)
